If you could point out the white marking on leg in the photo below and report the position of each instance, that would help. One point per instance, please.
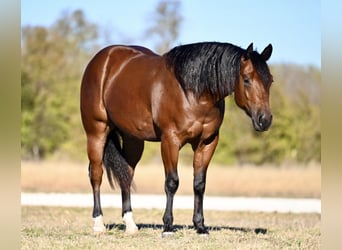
(167, 234)
(203, 235)
(99, 225)
(131, 227)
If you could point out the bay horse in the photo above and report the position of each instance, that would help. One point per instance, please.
(130, 95)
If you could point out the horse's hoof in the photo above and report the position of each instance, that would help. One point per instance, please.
(167, 234)
(131, 227)
(131, 231)
(202, 232)
(99, 227)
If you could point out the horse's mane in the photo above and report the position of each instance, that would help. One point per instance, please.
(261, 68)
(206, 67)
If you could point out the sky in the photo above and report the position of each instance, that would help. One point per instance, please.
(291, 26)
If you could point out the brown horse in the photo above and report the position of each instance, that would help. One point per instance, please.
(130, 94)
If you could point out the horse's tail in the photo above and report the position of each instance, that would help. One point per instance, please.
(115, 164)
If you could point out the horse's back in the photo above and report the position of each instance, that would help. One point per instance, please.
(111, 57)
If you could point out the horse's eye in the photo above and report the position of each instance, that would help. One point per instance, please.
(246, 82)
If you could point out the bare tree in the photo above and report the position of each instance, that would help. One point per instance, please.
(165, 26)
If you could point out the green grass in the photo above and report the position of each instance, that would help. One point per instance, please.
(71, 228)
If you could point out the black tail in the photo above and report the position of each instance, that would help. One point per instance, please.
(115, 164)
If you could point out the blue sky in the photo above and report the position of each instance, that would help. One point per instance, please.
(293, 27)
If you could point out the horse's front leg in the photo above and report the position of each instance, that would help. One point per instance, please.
(169, 151)
(203, 152)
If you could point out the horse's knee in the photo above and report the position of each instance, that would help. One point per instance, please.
(171, 183)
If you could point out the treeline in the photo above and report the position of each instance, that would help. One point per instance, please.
(53, 60)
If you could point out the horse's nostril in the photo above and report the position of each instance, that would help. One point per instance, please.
(261, 119)
(264, 121)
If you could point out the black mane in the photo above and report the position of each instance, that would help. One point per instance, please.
(206, 67)
(261, 68)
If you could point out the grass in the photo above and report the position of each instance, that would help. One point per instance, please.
(70, 228)
(292, 181)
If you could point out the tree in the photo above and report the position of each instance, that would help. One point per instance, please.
(165, 25)
(52, 63)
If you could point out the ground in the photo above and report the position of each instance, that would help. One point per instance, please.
(71, 228)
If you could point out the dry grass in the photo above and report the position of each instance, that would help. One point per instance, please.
(70, 228)
(226, 181)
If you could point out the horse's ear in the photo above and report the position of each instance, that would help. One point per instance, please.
(248, 52)
(266, 54)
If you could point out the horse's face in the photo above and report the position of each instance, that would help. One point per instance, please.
(252, 89)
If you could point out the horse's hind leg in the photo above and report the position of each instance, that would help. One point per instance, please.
(169, 151)
(132, 150)
(95, 144)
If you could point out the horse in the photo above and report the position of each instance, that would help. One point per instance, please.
(129, 95)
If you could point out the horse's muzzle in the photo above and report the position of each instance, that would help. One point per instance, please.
(262, 121)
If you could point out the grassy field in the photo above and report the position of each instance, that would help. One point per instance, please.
(225, 181)
(70, 228)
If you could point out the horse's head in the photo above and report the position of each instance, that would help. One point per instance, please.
(253, 86)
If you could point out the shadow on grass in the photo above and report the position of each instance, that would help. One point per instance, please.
(186, 227)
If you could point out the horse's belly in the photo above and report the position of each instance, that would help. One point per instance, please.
(142, 129)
